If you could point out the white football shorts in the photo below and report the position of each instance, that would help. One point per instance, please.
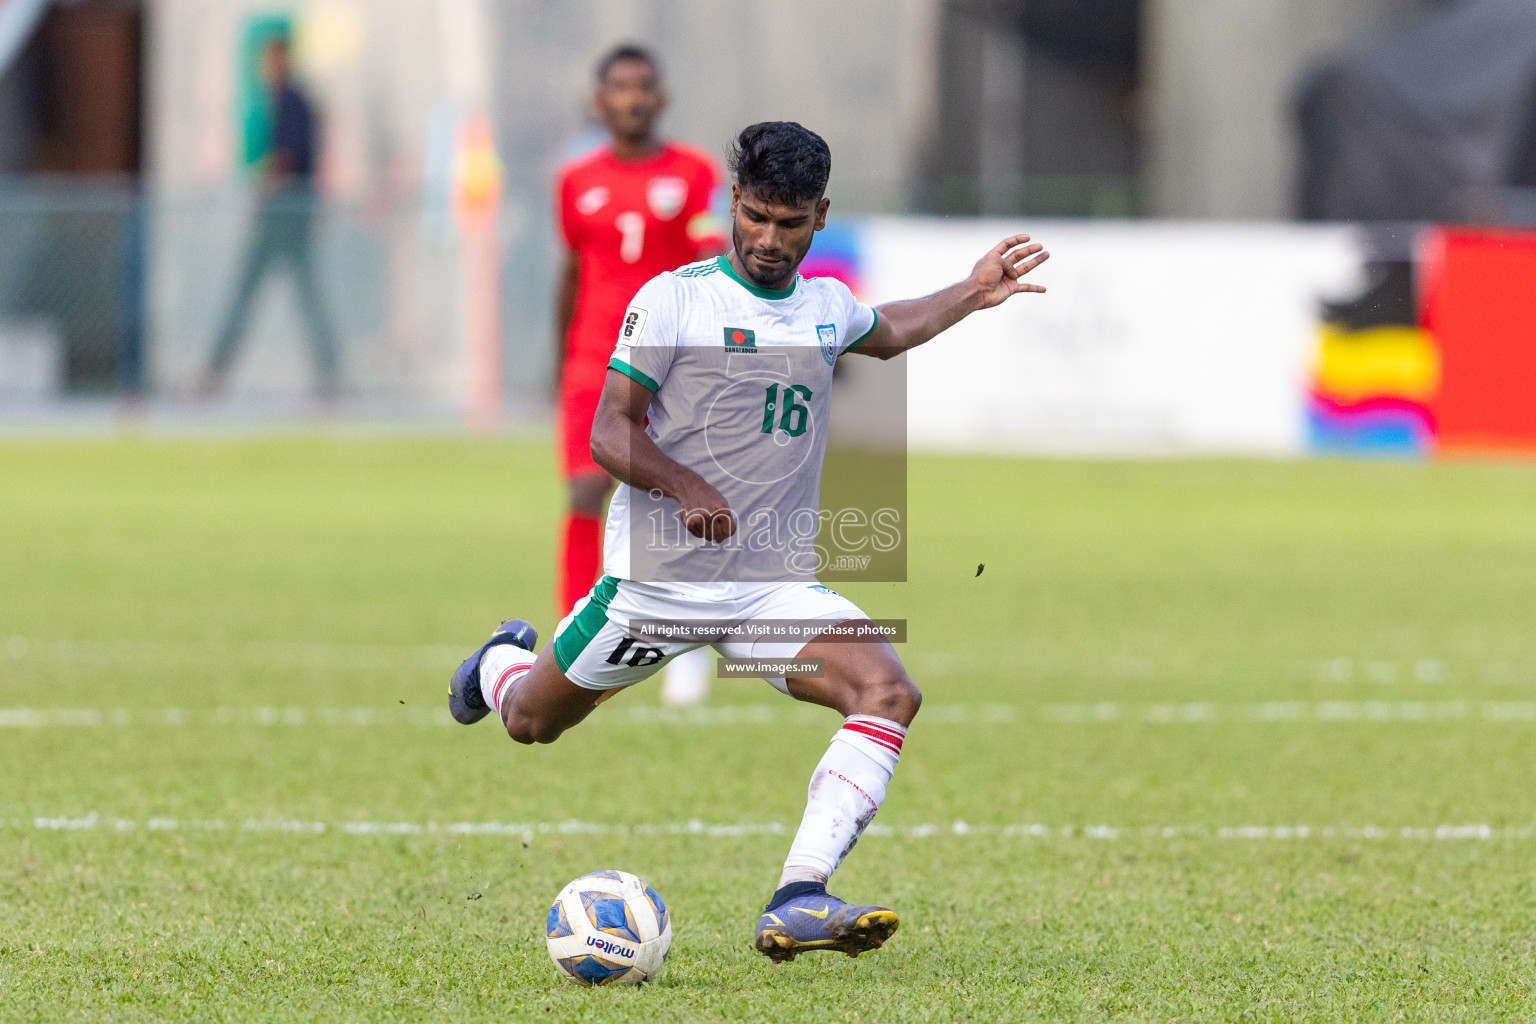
(597, 649)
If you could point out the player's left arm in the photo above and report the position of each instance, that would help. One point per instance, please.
(708, 223)
(997, 277)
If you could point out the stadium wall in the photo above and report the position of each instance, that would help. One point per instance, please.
(1209, 339)
(1153, 337)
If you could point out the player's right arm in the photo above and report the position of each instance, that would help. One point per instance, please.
(642, 360)
(565, 309)
(566, 224)
(622, 447)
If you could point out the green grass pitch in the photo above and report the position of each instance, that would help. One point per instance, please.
(1205, 741)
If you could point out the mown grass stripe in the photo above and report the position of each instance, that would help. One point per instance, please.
(788, 713)
(527, 830)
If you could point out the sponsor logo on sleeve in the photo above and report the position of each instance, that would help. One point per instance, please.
(592, 200)
(634, 325)
(740, 339)
(827, 335)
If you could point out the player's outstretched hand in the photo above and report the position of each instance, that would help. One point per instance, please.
(705, 511)
(999, 274)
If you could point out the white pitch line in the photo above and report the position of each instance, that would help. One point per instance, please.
(1424, 669)
(789, 713)
(1294, 711)
(530, 830)
(268, 655)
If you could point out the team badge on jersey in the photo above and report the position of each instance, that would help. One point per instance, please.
(827, 335)
(740, 339)
(592, 200)
(665, 196)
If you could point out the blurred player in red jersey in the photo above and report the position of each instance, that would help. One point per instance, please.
(629, 210)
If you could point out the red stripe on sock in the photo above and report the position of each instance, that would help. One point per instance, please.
(882, 738)
(496, 690)
(894, 733)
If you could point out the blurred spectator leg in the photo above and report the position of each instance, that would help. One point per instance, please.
(129, 364)
(322, 338)
(264, 248)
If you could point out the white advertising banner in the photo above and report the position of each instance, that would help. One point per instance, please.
(1153, 337)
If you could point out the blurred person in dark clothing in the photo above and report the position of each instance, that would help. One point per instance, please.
(282, 233)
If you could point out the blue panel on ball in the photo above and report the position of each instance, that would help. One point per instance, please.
(609, 913)
(592, 970)
(557, 926)
(660, 907)
(613, 875)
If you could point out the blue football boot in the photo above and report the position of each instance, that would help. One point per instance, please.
(804, 923)
(465, 702)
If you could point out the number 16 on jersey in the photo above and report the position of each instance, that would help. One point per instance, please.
(792, 420)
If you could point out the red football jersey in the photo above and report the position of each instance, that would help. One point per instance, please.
(628, 222)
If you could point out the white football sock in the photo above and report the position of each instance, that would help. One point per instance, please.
(500, 667)
(846, 791)
(685, 680)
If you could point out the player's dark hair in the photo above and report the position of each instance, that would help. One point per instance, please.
(623, 52)
(782, 162)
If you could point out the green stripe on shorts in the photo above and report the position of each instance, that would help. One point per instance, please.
(573, 639)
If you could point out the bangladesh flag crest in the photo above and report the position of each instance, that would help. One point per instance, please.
(740, 339)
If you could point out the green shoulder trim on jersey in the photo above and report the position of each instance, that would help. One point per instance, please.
(698, 270)
(573, 639)
(724, 263)
(867, 333)
(633, 374)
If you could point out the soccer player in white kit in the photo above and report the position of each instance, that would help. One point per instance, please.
(712, 418)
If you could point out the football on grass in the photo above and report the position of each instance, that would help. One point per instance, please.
(608, 928)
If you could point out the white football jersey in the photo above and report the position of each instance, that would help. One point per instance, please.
(742, 382)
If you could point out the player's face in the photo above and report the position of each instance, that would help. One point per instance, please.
(274, 65)
(771, 238)
(629, 100)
